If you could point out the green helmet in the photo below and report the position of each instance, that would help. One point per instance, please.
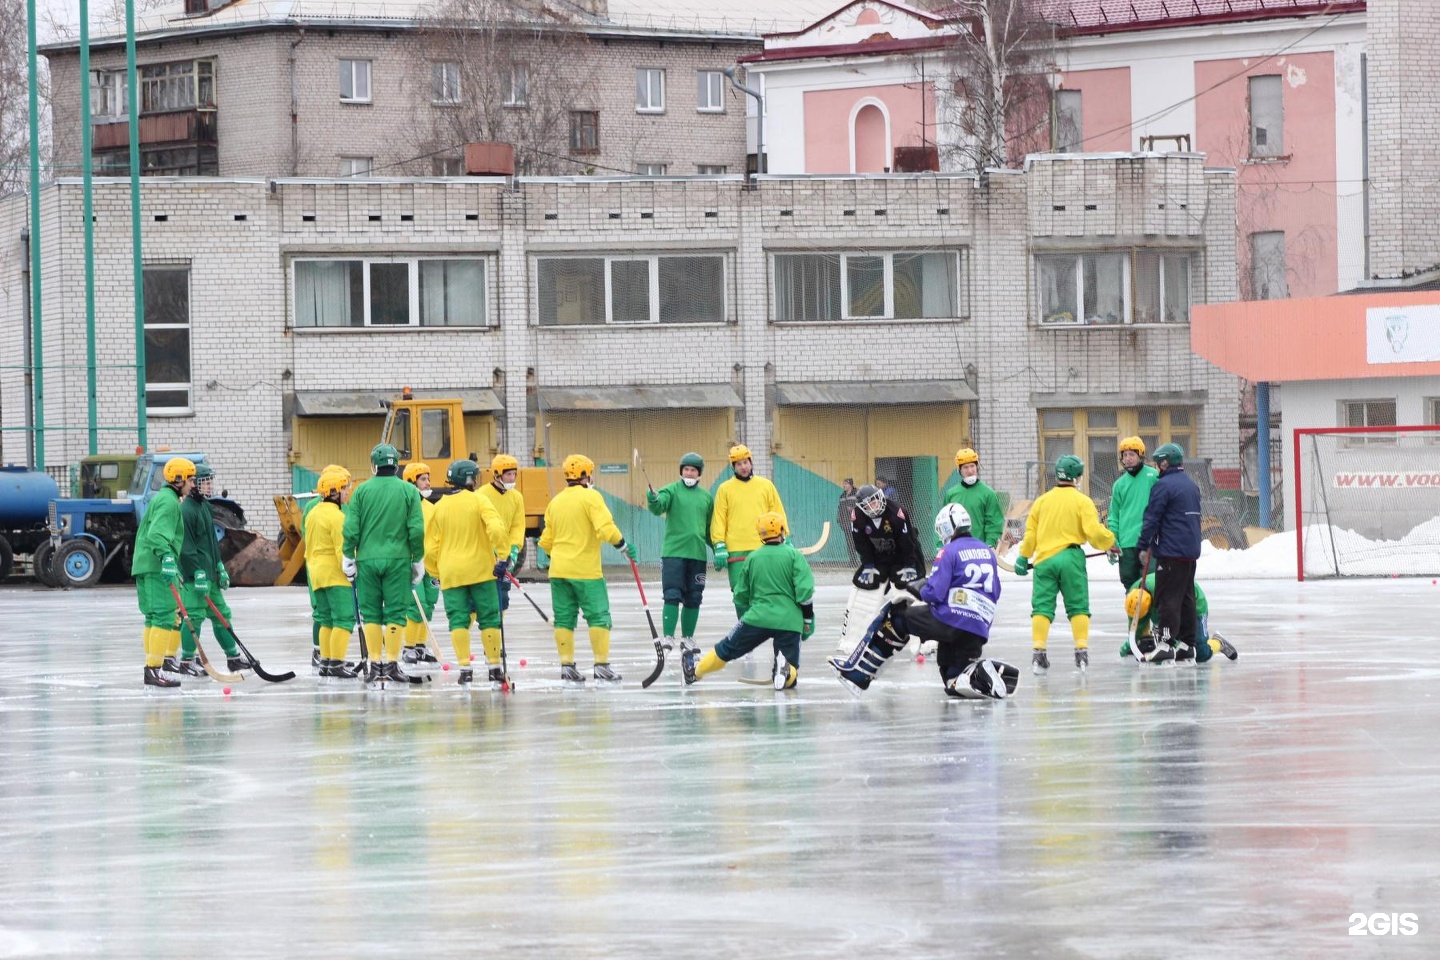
(1171, 454)
(1069, 467)
(203, 472)
(384, 455)
(693, 460)
(461, 472)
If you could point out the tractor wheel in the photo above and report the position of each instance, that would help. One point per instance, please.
(78, 563)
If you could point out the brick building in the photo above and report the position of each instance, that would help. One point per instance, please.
(838, 325)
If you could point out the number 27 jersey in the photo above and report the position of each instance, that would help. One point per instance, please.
(964, 586)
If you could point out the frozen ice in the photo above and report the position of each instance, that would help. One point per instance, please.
(1231, 810)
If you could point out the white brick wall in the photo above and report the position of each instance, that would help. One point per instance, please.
(243, 338)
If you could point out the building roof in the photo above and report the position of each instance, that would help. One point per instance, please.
(1107, 16)
(747, 19)
(1322, 338)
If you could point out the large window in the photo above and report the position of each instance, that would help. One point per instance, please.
(515, 85)
(356, 166)
(1267, 266)
(177, 86)
(1267, 117)
(1066, 134)
(584, 131)
(710, 91)
(595, 290)
(445, 83)
(390, 293)
(1368, 413)
(1114, 286)
(1095, 434)
(107, 94)
(649, 90)
(908, 285)
(354, 81)
(167, 339)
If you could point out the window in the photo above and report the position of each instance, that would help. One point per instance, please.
(1068, 122)
(356, 166)
(1368, 413)
(584, 131)
(355, 81)
(447, 166)
(444, 84)
(595, 290)
(710, 169)
(176, 86)
(869, 286)
(1267, 266)
(435, 292)
(167, 340)
(710, 91)
(1114, 286)
(1095, 435)
(435, 434)
(651, 169)
(515, 85)
(1267, 117)
(649, 90)
(107, 95)
(1432, 411)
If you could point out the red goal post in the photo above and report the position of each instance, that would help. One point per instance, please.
(1367, 501)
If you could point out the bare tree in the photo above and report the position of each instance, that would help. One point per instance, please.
(506, 73)
(1000, 63)
(15, 98)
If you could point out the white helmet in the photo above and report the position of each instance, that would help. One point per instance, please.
(871, 501)
(951, 519)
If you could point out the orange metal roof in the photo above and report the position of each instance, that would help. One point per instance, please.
(1320, 338)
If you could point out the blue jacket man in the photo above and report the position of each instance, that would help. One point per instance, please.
(1171, 532)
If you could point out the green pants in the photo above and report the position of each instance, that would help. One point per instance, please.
(200, 611)
(152, 590)
(384, 587)
(732, 570)
(334, 607)
(1130, 572)
(482, 599)
(428, 589)
(573, 597)
(1064, 574)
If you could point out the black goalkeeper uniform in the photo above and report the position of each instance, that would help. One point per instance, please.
(888, 542)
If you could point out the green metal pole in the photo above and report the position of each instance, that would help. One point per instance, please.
(132, 105)
(87, 173)
(37, 335)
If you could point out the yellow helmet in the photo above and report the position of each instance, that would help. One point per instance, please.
(503, 462)
(1137, 603)
(739, 452)
(965, 455)
(770, 525)
(578, 465)
(414, 471)
(178, 468)
(1133, 443)
(331, 482)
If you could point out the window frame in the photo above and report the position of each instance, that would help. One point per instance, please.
(1284, 265)
(1058, 127)
(508, 86)
(652, 169)
(353, 68)
(960, 261)
(413, 305)
(441, 166)
(356, 174)
(444, 92)
(711, 169)
(648, 106)
(1129, 280)
(1366, 440)
(1258, 152)
(113, 81)
(654, 289)
(188, 327)
(578, 125)
(1166, 428)
(703, 80)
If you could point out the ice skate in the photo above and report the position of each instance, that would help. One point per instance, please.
(1227, 649)
(315, 660)
(466, 676)
(1082, 660)
(393, 672)
(854, 681)
(191, 667)
(1184, 653)
(667, 644)
(689, 656)
(411, 654)
(571, 677)
(238, 663)
(786, 676)
(498, 680)
(1040, 662)
(171, 665)
(154, 678)
(603, 674)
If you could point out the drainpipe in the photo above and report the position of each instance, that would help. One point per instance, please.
(759, 124)
(295, 109)
(1262, 450)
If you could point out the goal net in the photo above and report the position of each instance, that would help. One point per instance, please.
(1367, 501)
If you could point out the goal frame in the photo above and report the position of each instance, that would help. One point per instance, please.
(1297, 436)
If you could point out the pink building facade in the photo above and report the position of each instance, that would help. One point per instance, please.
(1273, 91)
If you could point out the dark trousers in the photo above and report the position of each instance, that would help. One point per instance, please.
(1175, 599)
(955, 649)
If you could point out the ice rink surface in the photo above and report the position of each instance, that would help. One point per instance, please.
(1232, 810)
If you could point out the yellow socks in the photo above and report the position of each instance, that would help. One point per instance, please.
(709, 663)
(339, 643)
(172, 642)
(490, 640)
(1080, 627)
(1214, 645)
(600, 644)
(460, 640)
(1039, 631)
(154, 646)
(374, 641)
(565, 644)
(394, 640)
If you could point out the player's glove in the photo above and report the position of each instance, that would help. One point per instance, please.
(1113, 555)
(651, 497)
(722, 555)
(168, 567)
(867, 578)
(1022, 566)
(1144, 563)
(542, 560)
(501, 567)
(906, 576)
(347, 567)
(223, 576)
(514, 556)
(201, 586)
(807, 628)
(435, 582)
(417, 570)
(626, 547)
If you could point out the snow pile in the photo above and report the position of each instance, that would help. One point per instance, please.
(1415, 554)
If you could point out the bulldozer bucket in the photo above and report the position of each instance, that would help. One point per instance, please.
(252, 560)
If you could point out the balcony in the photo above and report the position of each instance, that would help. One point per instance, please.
(194, 127)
